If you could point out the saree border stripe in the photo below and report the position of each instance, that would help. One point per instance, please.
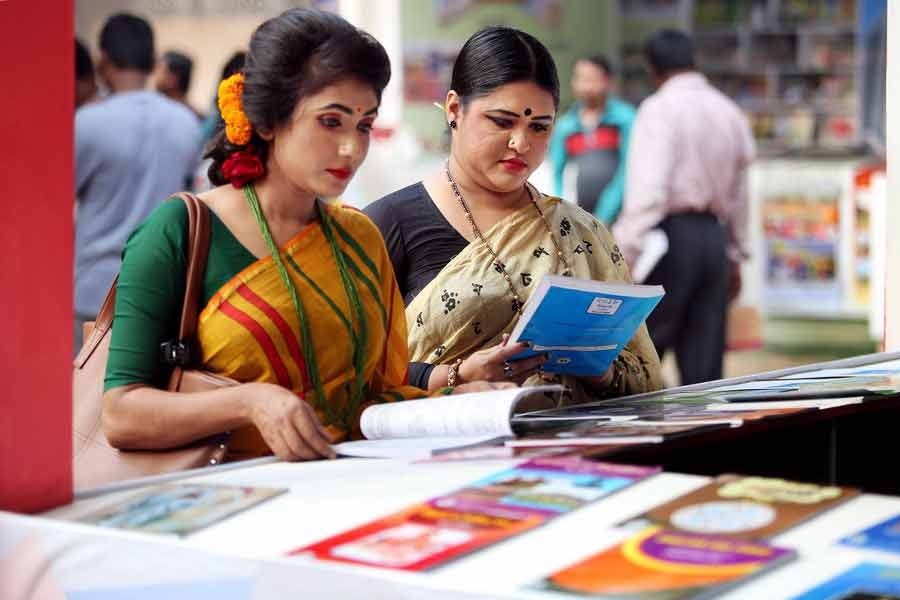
(283, 327)
(376, 293)
(262, 338)
(387, 330)
(351, 241)
(331, 303)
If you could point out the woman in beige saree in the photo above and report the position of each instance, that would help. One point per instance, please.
(470, 243)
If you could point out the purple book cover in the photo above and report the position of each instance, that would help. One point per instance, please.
(547, 486)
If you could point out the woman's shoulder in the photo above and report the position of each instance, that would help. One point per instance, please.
(396, 203)
(356, 224)
(582, 222)
(576, 215)
(169, 220)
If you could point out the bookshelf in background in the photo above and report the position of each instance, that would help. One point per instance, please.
(790, 64)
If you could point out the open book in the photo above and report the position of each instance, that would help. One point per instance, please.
(419, 428)
(583, 324)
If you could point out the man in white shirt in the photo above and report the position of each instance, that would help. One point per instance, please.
(687, 175)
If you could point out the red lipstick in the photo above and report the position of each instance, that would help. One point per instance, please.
(341, 174)
(514, 165)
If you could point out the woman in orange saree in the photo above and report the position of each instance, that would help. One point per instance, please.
(301, 307)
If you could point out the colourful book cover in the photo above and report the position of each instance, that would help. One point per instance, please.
(548, 486)
(488, 511)
(865, 581)
(180, 508)
(883, 536)
(666, 565)
(421, 537)
(583, 324)
(745, 507)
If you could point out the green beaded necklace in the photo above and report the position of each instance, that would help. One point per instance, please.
(359, 338)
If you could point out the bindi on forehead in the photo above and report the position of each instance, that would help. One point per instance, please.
(527, 112)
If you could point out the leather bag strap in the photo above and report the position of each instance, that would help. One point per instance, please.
(198, 250)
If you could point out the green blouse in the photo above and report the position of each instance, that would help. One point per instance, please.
(151, 290)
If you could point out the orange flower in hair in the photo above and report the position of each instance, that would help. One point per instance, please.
(238, 129)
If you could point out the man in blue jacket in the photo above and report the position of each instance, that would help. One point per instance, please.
(594, 135)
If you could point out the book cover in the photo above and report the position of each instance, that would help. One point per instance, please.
(666, 565)
(663, 412)
(421, 537)
(745, 507)
(485, 512)
(884, 536)
(548, 486)
(865, 581)
(180, 508)
(590, 433)
(583, 324)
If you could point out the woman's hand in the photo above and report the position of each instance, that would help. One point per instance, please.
(287, 423)
(494, 364)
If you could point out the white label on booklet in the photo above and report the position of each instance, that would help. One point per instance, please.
(603, 305)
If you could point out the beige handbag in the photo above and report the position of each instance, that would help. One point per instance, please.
(95, 462)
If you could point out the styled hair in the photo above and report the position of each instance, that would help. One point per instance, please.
(182, 66)
(496, 56)
(670, 50)
(84, 66)
(234, 64)
(128, 42)
(294, 55)
(599, 61)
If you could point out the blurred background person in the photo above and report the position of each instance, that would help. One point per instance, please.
(85, 81)
(593, 134)
(690, 150)
(131, 149)
(173, 78)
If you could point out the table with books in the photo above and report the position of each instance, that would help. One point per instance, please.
(560, 515)
(315, 529)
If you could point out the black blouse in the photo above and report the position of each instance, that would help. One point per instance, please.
(420, 243)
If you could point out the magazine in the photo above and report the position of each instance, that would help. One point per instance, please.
(420, 428)
(660, 564)
(590, 433)
(865, 581)
(582, 324)
(180, 508)
(487, 511)
(744, 507)
(884, 536)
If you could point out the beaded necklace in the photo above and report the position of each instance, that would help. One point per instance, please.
(498, 264)
(359, 338)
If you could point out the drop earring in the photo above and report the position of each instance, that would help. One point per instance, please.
(453, 124)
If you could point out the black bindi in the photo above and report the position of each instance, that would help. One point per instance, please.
(527, 112)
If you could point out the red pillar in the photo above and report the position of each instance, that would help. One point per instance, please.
(36, 237)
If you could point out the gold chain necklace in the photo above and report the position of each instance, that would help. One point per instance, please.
(498, 264)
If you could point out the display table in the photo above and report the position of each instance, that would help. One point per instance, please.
(247, 550)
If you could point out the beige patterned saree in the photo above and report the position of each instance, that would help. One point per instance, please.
(468, 306)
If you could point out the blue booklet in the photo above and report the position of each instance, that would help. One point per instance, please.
(583, 324)
(865, 581)
(883, 536)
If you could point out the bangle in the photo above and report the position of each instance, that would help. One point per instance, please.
(453, 373)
